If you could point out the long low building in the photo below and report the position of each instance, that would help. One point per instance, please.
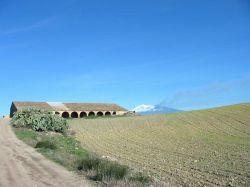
(71, 110)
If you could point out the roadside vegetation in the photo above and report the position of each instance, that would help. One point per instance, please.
(198, 148)
(39, 120)
(61, 147)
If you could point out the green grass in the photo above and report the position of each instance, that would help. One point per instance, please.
(140, 177)
(46, 145)
(64, 150)
(25, 134)
(104, 169)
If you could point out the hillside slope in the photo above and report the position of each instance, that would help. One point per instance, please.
(207, 147)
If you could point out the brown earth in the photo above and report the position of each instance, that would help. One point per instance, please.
(197, 148)
(21, 165)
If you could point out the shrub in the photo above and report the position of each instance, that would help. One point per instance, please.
(46, 145)
(140, 177)
(111, 170)
(39, 120)
(104, 169)
(89, 163)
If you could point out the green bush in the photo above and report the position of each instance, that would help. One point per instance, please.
(104, 169)
(140, 177)
(46, 145)
(89, 163)
(39, 120)
(111, 170)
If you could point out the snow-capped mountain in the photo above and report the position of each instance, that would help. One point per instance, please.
(153, 109)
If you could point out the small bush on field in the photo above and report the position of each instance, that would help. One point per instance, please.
(46, 145)
(89, 163)
(104, 169)
(39, 120)
(140, 177)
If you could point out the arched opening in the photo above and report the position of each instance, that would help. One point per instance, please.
(57, 113)
(83, 114)
(74, 115)
(114, 113)
(91, 114)
(99, 114)
(65, 115)
(107, 114)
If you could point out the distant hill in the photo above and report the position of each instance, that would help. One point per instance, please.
(196, 148)
(154, 109)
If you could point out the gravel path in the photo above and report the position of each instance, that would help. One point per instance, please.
(21, 165)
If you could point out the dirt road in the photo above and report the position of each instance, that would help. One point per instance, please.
(22, 166)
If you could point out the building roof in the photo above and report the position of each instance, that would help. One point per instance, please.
(40, 105)
(58, 106)
(94, 107)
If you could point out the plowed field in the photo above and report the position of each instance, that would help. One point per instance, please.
(206, 147)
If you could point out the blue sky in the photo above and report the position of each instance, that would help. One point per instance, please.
(184, 54)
